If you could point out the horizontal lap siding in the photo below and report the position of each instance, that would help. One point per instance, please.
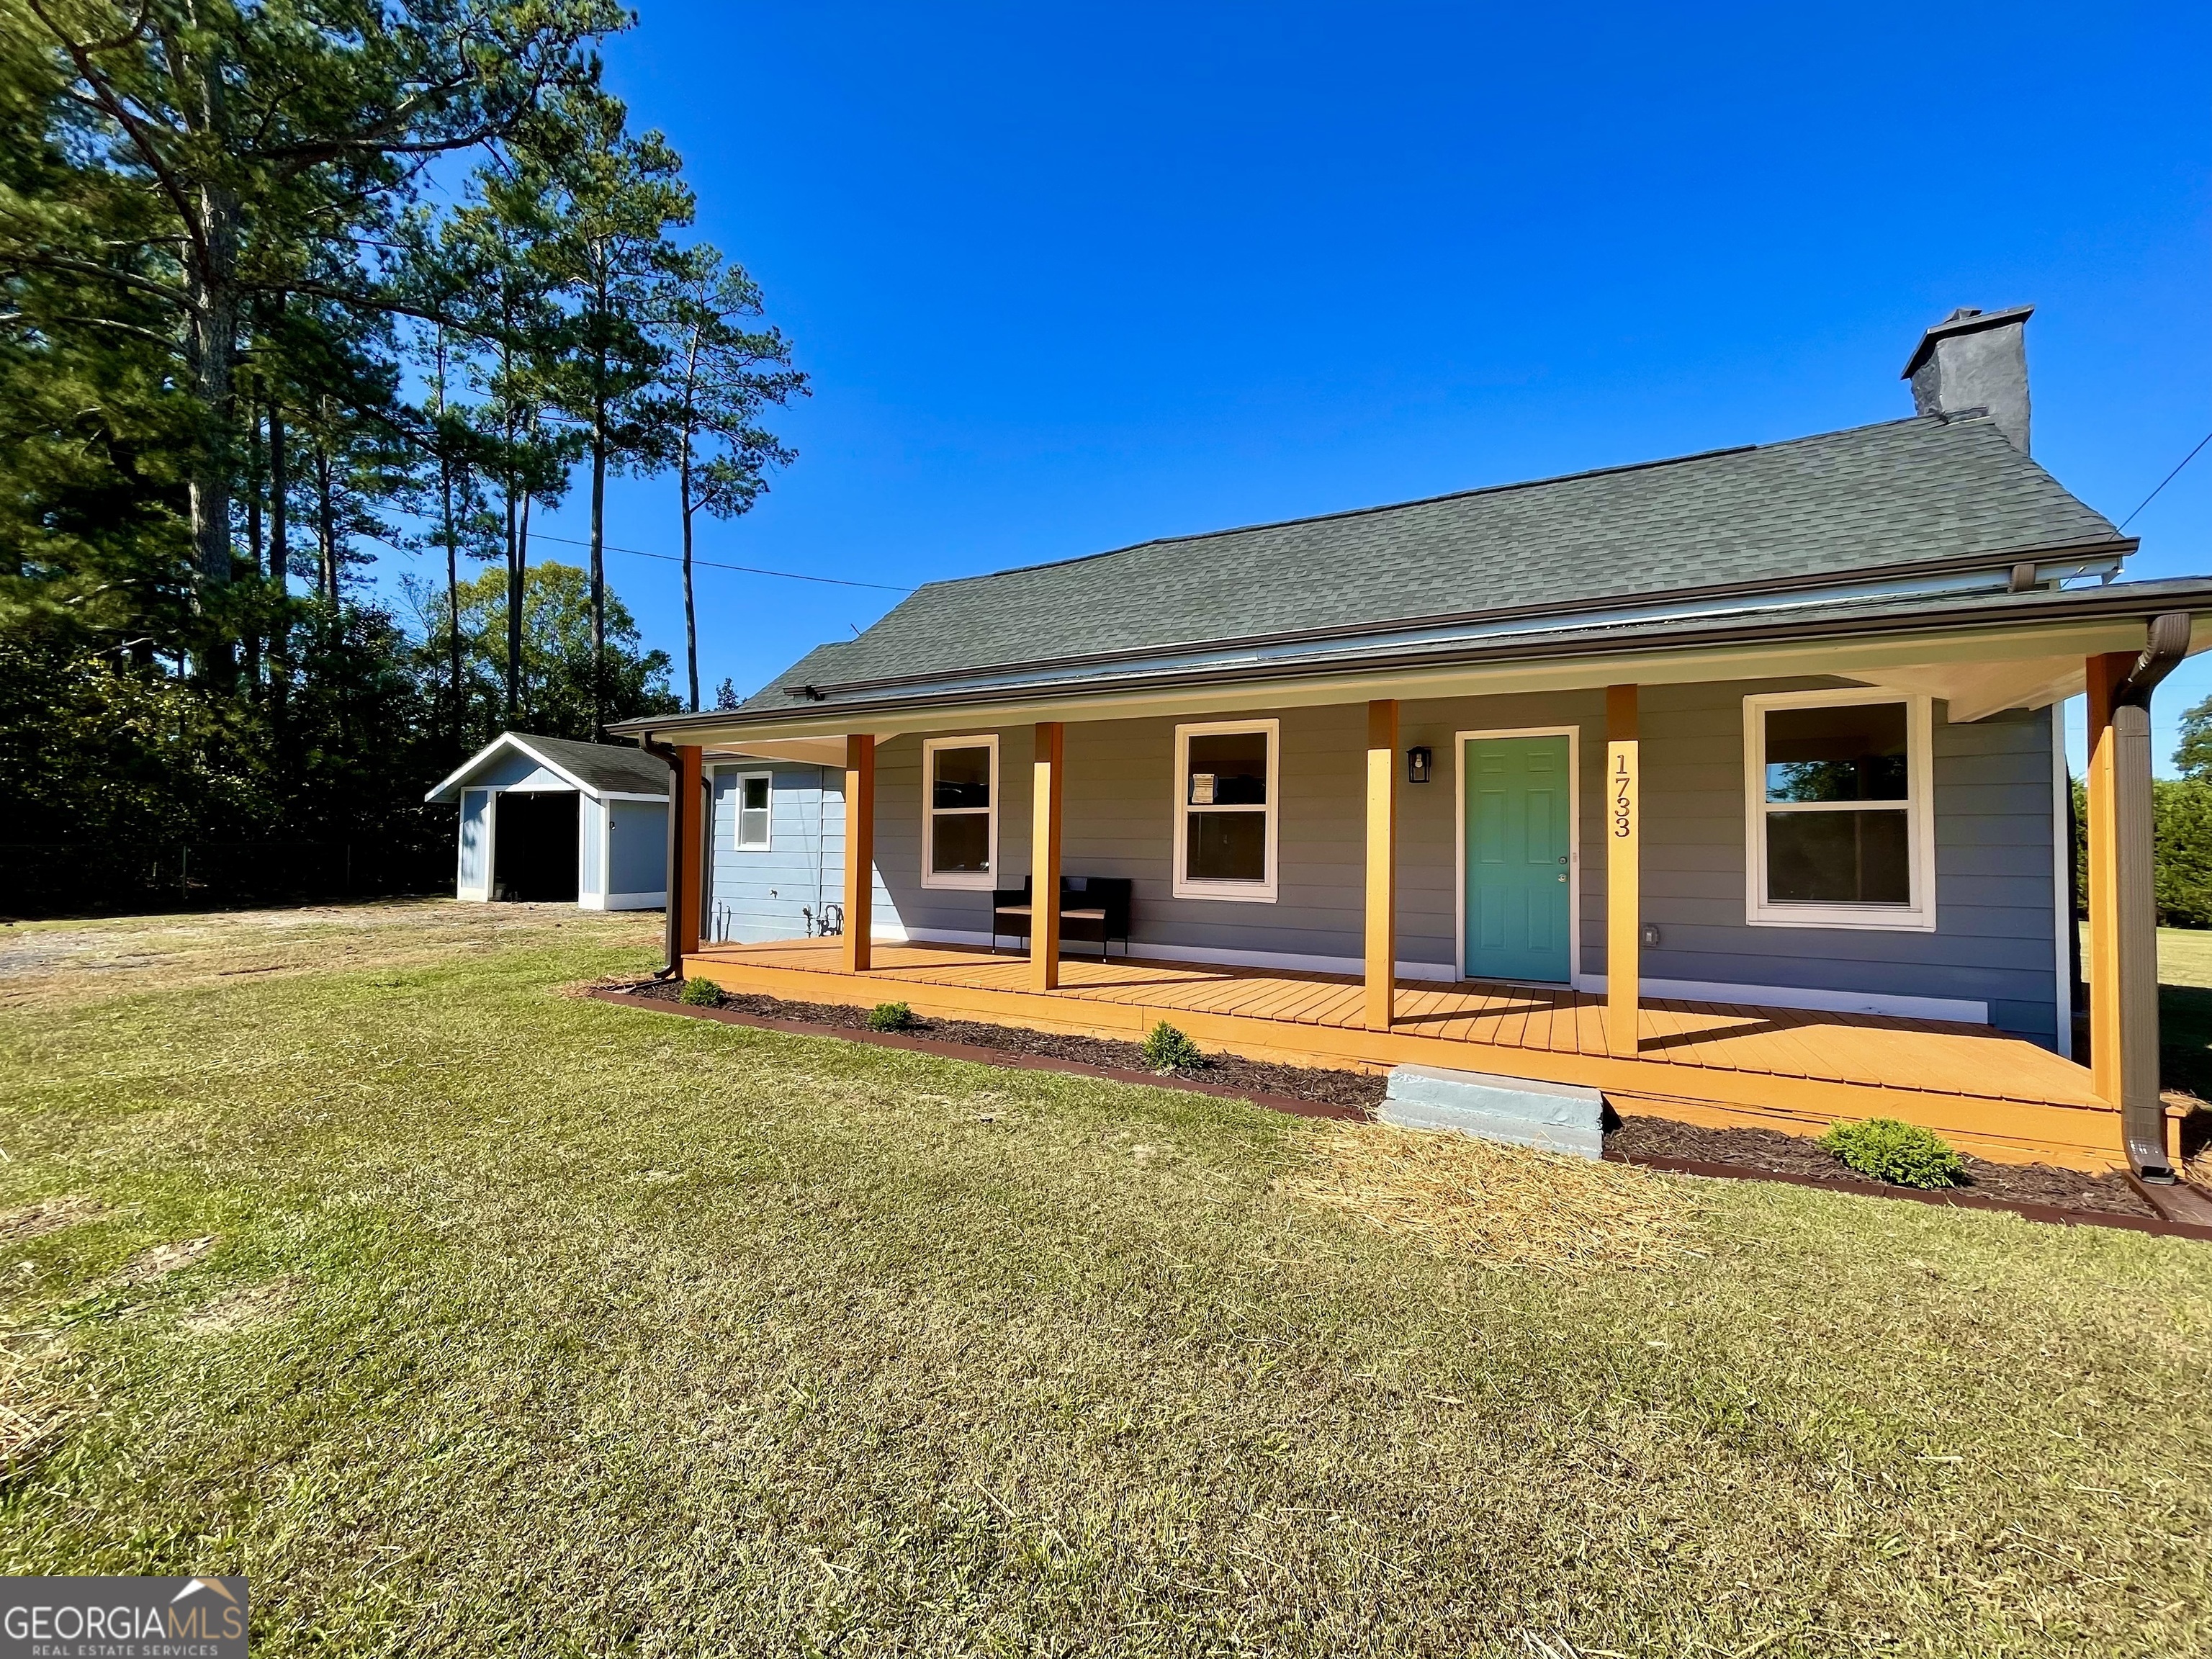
(1993, 942)
(758, 895)
(1994, 936)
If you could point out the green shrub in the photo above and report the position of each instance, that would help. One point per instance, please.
(1167, 1049)
(701, 992)
(890, 1017)
(1902, 1154)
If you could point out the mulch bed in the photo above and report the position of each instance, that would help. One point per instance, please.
(1634, 1138)
(1226, 1070)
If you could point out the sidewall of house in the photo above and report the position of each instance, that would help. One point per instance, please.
(1993, 941)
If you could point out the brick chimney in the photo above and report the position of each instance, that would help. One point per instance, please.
(1976, 361)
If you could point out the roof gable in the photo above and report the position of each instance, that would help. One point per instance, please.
(598, 769)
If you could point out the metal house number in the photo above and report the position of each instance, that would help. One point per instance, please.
(1624, 797)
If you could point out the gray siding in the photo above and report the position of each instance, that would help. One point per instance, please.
(639, 860)
(1993, 942)
(759, 894)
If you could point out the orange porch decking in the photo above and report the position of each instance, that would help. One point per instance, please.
(1781, 1068)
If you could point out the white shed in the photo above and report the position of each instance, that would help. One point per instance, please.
(555, 821)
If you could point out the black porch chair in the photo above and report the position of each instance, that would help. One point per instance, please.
(1096, 907)
(1091, 908)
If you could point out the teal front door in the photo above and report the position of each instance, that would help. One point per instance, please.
(1518, 874)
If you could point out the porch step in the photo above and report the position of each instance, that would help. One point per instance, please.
(1556, 1117)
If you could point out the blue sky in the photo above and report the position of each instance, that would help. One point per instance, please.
(1068, 278)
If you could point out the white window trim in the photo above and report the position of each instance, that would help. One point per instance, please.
(971, 881)
(1919, 916)
(1242, 892)
(738, 844)
(1573, 734)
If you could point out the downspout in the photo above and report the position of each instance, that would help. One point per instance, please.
(674, 883)
(2142, 1114)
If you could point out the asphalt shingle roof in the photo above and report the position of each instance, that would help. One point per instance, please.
(1904, 492)
(620, 768)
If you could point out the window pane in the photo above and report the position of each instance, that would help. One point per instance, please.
(1227, 768)
(960, 844)
(756, 794)
(1838, 858)
(1225, 846)
(752, 827)
(1852, 753)
(962, 777)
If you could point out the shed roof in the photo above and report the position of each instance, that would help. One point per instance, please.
(598, 769)
(1918, 493)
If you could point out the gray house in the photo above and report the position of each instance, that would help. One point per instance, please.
(552, 820)
(1732, 784)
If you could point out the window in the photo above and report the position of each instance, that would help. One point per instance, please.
(751, 797)
(1840, 832)
(959, 812)
(1225, 811)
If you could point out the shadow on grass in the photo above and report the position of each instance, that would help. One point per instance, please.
(2184, 1019)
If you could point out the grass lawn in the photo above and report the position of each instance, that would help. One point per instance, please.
(2184, 1009)
(534, 1325)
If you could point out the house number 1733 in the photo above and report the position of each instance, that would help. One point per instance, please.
(1623, 797)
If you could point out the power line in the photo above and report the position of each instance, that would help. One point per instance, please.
(747, 570)
(2169, 479)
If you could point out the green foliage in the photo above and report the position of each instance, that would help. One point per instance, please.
(701, 992)
(890, 1017)
(1902, 1154)
(1167, 1049)
(247, 354)
(2181, 818)
(556, 681)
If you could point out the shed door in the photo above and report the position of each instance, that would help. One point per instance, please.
(1519, 852)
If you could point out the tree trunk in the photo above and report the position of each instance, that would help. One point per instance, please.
(514, 614)
(599, 567)
(691, 619)
(452, 595)
(326, 529)
(257, 458)
(279, 552)
(515, 620)
(211, 351)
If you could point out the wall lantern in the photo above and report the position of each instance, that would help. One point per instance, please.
(1417, 765)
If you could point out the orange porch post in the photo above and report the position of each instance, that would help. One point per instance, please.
(687, 891)
(1381, 952)
(1047, 776)
(1624, 911)
(860, 848)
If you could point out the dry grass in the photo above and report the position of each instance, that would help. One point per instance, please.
(163, 1260)
(1503, 1205)
(54, 963)
(46, 1216)
(539, 1326)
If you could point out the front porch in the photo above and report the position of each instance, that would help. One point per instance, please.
(1791, 1069)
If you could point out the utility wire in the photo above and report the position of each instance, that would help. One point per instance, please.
(2169, 479)
(747, 569)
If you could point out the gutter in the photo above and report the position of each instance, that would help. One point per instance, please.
(1997, 611)
(673, 963)
(2142, 1114)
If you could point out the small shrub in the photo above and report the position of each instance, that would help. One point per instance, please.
(701, 992)
(1167, 1049)
(890, 1017)
(1899, 1153)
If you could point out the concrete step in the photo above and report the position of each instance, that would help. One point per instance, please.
(1557, 1117)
